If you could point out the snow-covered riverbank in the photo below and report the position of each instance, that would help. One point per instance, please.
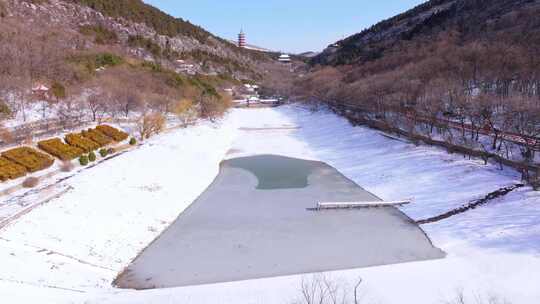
(71, 249)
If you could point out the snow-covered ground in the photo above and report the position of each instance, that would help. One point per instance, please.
(70, 250)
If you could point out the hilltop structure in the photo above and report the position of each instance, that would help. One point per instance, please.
(242, 39)
(284, 58)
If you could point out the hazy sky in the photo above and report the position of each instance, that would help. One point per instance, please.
(291, 26)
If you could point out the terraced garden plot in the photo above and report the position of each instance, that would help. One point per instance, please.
(56, 147)
(29, 158)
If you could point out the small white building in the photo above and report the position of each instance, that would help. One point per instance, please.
(284, 58)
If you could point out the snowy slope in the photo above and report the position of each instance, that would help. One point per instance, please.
(71, 249)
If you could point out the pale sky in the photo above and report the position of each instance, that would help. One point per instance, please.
(290, 26)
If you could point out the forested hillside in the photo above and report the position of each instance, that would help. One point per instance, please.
(138, 11)
(446, 65)
(473, 19)
(110, 58)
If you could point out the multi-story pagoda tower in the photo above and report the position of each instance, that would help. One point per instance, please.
(242, 39)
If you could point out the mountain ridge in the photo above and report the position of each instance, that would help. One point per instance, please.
(472, 18)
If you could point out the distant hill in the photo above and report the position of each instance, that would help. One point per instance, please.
(473, 19)
(309, 54)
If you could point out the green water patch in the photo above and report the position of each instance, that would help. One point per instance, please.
(276, 172)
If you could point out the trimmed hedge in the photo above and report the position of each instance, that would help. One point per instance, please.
(31, 159)
(113, 133)
(97, 137)
(83, 160)
(103, 152)
(56, 147)
(18, 162)
(10, 170)
(92, 157)
(81, 142)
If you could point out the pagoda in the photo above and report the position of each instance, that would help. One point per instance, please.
(242, 39)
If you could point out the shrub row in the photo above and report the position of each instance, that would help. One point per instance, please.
(97, 137)
(56, 147)
(81, 142)
(113, 133)
(10, 170)
(91, 157)
(17, 162)
(31, 159)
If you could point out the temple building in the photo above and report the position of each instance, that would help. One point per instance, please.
(284, 58)
(242, 39)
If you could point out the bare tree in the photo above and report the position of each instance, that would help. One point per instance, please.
(321, 289)
(97, 105)
(150, 124)
(185, 111)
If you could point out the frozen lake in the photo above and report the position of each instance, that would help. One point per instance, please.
(253, 222)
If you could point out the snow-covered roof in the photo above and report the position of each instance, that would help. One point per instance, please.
(40, 87)
(284, 58)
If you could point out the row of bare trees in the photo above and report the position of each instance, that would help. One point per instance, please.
(464, 92)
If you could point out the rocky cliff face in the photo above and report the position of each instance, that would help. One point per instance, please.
(219, 56)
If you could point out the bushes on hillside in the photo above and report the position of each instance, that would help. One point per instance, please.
(58, 90)
(31, 159)
(108, 59)
(90, 62)
(101, 34)
(133, 141)
(3, 10)
(113, 133)
(139, 12)
(57, 148)
(5, 111)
